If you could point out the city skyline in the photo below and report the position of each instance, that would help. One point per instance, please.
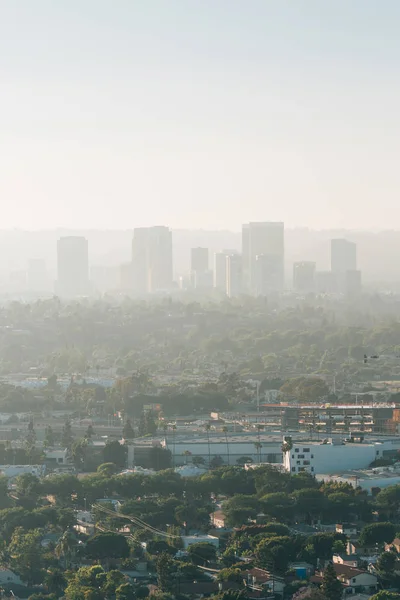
(258, 269)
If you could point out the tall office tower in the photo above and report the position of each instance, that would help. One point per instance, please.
(220, 269)
(234, 275)
(343, 256)
(304, 276)
(263, 239)
(199, 260)
(72, 267)
(267, 274)
(246, 261)
(38, 280)
(152, 259)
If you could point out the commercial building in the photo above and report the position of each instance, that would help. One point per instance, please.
(72, 267)
(343, 256)
(262, 239)
(366, 479)
(267, 274)
(334, 455)
(230, 448)
(304, 276)
(152, 269)
(234, 275)
(220, 269)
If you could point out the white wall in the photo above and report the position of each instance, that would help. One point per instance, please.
(328, 458)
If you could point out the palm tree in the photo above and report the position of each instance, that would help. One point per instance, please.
(258, 446)
(225, 430)
(66, 547)
(207, 427)
(173, 444)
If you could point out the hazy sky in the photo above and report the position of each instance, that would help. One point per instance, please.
(199, 113)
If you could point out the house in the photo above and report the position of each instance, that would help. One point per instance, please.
(350, 561)
(395, 545)
(84, 522)
(261, 580)
(354, 580)
(354, 547)
(218, 519)
(347, 529)
(8, 577)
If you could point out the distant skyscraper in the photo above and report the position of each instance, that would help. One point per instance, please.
(246, 257)
(234, 275)
(263, 239)
(304, 276)
(72, 267)
(199, 260)
(220, 268)
(344, 261)
(343, 256)
(267, 274)
(152, 259)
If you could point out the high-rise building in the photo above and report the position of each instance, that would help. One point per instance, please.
(152, 259)
(72, 267)
(263, 239)
(267, 274)
(234, 275)
(246, 258)
(199, 260)
(220, 269)
(343, 256)
(304, 276)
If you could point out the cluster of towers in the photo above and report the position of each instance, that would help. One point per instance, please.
(258, 270)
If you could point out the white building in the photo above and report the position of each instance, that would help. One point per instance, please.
(333, 456)
(57, 457)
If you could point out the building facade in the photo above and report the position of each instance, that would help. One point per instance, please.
(72, 267)
(262, 239)
(234, 275)
(152, 269)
